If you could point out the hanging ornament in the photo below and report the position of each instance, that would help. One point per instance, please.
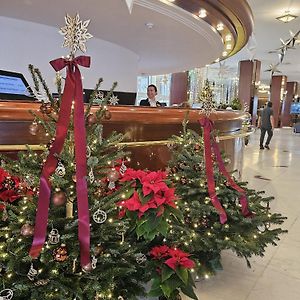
(112, 177)
(6, 294)
(140, 258)
(32, 273)
(94, 262)
(98, 250)
(27, 230)
(91, 176)
(197, 147)
(123, 168)
(54, 237)
(87, 268)
(59, 198)
(60, 254)
(183, 180)
(88, 151)
(121, 229)
(40, 282)
(107, 115)
(60, 169)
(33, 128)
(99, 216)
(262, 227)
(46, 108)
(113, 100)
(4, 215)
(91, 119)
(120, 298)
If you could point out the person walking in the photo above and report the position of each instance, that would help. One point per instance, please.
(266, 124)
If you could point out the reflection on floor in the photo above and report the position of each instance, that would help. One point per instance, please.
(277, 275)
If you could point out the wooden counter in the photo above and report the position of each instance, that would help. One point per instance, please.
(146, 130)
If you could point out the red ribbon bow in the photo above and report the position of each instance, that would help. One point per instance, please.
(210, 144)
(72, 92)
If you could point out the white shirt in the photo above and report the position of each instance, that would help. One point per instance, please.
(152, 102)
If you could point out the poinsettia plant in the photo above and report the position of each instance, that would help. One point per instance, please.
(149, 201)
(9, 188)
(172, 273)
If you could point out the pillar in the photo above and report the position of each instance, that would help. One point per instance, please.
(179, 88)
(249, 76)
(277, 92)
(291, 88)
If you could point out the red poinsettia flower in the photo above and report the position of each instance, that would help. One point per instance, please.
(179, 258)
(154, 182)
(132, 174)
(132, 203)
(159, 252)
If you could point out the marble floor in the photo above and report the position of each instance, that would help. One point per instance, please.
(277, 275)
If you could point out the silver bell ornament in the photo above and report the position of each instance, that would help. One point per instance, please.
(54, 237)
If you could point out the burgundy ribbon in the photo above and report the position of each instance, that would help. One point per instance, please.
(210, 144)
(72, 92)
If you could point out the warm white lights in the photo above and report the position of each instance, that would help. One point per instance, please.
(228, 46)
(220, 26)
(202, 13)
(224, 53)
(287, 17)
(228, 37)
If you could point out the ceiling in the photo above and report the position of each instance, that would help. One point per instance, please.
(176, 42)
(268, 31)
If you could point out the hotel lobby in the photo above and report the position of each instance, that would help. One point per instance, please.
(103, 196)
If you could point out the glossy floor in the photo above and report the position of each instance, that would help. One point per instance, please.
(277, 275)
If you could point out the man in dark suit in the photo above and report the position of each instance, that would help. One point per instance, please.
(151, 93)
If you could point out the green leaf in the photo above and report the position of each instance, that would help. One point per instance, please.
(189, 291)
(167, 288)
(155, 290)
(183, 274)
(166, 273)
(142, 228)
(163, 227)
(175, 212)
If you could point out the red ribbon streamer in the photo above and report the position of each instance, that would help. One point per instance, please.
(207, 125)
(72, 92)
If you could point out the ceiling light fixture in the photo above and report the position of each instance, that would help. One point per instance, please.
(149, 25)
(287, 17)
(228, 46)
(224, 53)
(202, 13)
(220, 26)
(228, 37)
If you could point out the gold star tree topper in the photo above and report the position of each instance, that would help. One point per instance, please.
(75, 33)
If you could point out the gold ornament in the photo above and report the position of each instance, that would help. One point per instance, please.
(27, 230)
(60, 254)
(99, 250)
(107, 115)
(91, 119)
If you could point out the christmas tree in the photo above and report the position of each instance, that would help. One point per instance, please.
(61, 267)
(202, 233)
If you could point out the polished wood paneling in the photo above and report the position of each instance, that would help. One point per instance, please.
(179, 88)
(138, 124)
(278, 86)
(291, 88)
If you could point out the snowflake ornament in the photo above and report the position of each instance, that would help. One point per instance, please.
(99, 98)
(113, 100)
(75, 33)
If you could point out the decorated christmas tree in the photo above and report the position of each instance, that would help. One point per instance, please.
(60, 235)
(219, 212)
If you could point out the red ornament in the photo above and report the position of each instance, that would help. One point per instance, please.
(87, 268)
(27, 230)
(91, 119)
(107, 115)
(59, 198)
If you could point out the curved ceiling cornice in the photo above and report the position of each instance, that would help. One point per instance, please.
(178, 41)
(235, 15)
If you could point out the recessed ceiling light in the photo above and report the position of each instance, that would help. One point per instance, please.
(287, 17)
(228, 46)
(202, 13)
(149, 25)
(220, 26)
(228, 37)
(224, 53)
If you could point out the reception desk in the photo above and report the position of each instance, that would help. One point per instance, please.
(146, 131)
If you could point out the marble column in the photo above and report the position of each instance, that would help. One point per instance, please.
(291, 88)
(249, 76)
(277, 92)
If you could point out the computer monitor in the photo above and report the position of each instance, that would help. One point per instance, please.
(295, 108)
(13, 86)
